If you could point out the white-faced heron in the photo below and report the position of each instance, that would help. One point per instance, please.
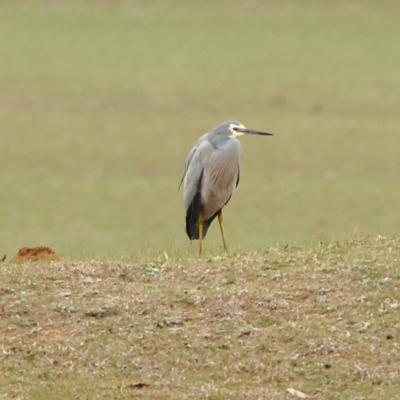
(211, 176)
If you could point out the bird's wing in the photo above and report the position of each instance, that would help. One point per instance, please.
(192, 180)
(200, 140)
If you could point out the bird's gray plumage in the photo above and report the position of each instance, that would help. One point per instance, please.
(210, 178)
(211, 175)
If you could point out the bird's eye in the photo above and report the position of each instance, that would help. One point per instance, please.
(235, 128)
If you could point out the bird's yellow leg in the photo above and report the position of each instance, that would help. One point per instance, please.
(200, 233)
(222, 230)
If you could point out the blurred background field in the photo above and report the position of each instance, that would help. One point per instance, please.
(100, 102)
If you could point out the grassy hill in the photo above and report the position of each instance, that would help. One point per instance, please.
(100, 102)
(323, 321)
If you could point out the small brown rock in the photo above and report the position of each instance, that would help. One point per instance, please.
(39, 253)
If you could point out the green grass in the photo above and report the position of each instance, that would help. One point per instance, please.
(322, 320)
(100, 103)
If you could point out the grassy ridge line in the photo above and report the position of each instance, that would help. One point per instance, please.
(321, 320)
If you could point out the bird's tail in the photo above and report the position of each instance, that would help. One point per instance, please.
(192, 219)
(193, 213)
(192, 225)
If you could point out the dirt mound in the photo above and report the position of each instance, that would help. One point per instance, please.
(38, 253)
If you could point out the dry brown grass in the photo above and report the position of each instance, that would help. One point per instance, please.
(324, 321)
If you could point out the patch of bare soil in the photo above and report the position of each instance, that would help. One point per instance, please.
(38, 253)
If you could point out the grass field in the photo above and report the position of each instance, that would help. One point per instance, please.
(100, 102)
(323, 321)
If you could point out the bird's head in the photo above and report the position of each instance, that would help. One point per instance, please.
(234, 129)
(237, 129)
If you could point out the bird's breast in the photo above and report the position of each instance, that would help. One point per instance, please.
(219, 180)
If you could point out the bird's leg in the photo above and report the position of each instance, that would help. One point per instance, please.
(200, 233)
(222, 230)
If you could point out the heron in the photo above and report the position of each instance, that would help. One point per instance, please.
(210, 177)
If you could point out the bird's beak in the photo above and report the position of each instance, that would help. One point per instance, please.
(245, 131)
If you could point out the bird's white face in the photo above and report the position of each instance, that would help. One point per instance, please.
(234, 129)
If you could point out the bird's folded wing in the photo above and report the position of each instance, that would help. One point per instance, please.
(193, 172)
